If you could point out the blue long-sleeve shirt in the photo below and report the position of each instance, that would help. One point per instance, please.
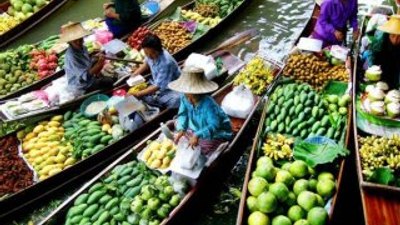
(164, 69)
(206, 119)
(77, 66)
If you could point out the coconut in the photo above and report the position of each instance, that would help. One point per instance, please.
(377, 108)
(369, 88)
(393, 96)
(393, 109)
(376, 94)
(382, 85)
(373, 73)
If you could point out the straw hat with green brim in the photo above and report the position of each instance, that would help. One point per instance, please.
(72, 31)
(392, 26)
(193, 81)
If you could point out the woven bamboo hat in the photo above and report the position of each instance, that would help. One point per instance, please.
(193, 81)
(72, 31)
(392, 26)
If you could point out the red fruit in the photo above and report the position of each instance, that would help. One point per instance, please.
(52, 58)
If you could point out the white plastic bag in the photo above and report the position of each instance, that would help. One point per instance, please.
(206, 63)
(186, 155)
(240, 94)
(375, 21)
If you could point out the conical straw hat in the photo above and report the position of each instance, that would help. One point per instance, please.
(392, 26)
(193, 81)
(72, 31)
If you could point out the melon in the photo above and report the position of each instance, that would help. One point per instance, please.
(26, 8)
(18, 5)
(40, 3)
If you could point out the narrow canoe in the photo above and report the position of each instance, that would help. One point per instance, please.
(12, 204)
(379, 202)
(59, 214)
(30, 22)
(243, 211)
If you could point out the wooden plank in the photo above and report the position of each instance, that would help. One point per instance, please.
(381, 209)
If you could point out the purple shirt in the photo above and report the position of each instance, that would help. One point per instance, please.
(334, 16)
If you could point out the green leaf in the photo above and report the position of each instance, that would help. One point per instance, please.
(316, 154)
(176, 16)
(200, 30)
(382, 176)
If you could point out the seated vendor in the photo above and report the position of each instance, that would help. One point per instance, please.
(384, 51)
(332, 22)
(200, 118)
(164, 69)
(122, 16)
(83, 75)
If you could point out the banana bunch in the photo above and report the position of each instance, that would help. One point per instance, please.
(7, 23)
(207, 10)
(278, 147)
(256, 76)
(377, 152)
(93, 24)
(137, 88)
(208, 21)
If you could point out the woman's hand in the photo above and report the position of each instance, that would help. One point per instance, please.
(178, 136)
(339, 35)
(194, 141)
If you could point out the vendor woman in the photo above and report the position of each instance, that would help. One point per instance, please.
(384, 51)
(122, 16)
(164, 69)
(83, 75)
(200, 118)
(332, 22)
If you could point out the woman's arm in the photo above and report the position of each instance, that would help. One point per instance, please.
(148, 91)
(183, 117)
(143, 68)
(324, 18)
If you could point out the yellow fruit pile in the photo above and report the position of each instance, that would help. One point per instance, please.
(137, 88)
(159, 155)
(45, 149)
(256, 76)
(277, 146)
(208, 21)
(7, 23)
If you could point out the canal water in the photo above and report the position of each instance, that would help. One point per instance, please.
(279, 22)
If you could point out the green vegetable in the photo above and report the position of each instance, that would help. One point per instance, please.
(316, 154)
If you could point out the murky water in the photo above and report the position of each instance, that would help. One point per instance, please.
(279, 22)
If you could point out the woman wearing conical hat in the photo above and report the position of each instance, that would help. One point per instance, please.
(82, 73)
(385, 51)
(200, 118)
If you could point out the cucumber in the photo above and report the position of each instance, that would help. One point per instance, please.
(105, 199)
(105, 139)
(76, 219)
(103, 217)
(315, 127)
(97, 148)
(132, 192)
(97, 214)
(113, 202)
(97, 186)
(81, 199)
(84, 122)
(77, 210)
(96, 138)
(119, 217)
(67, 115)
(91, 210)
(84, 221)
(95, 196)
(126, 171)
(93, 131)
(94, 123)
(114, 210)
(135, 182)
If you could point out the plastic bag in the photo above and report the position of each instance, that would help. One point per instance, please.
(239, 94)
(187, 156)
(375, 21)
(206, 63)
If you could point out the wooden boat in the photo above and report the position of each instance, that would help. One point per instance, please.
(30, 22)
(59, 214)
(243, 211)
(380, 202)
(218, 51)
(164, 4)
(22, 199)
